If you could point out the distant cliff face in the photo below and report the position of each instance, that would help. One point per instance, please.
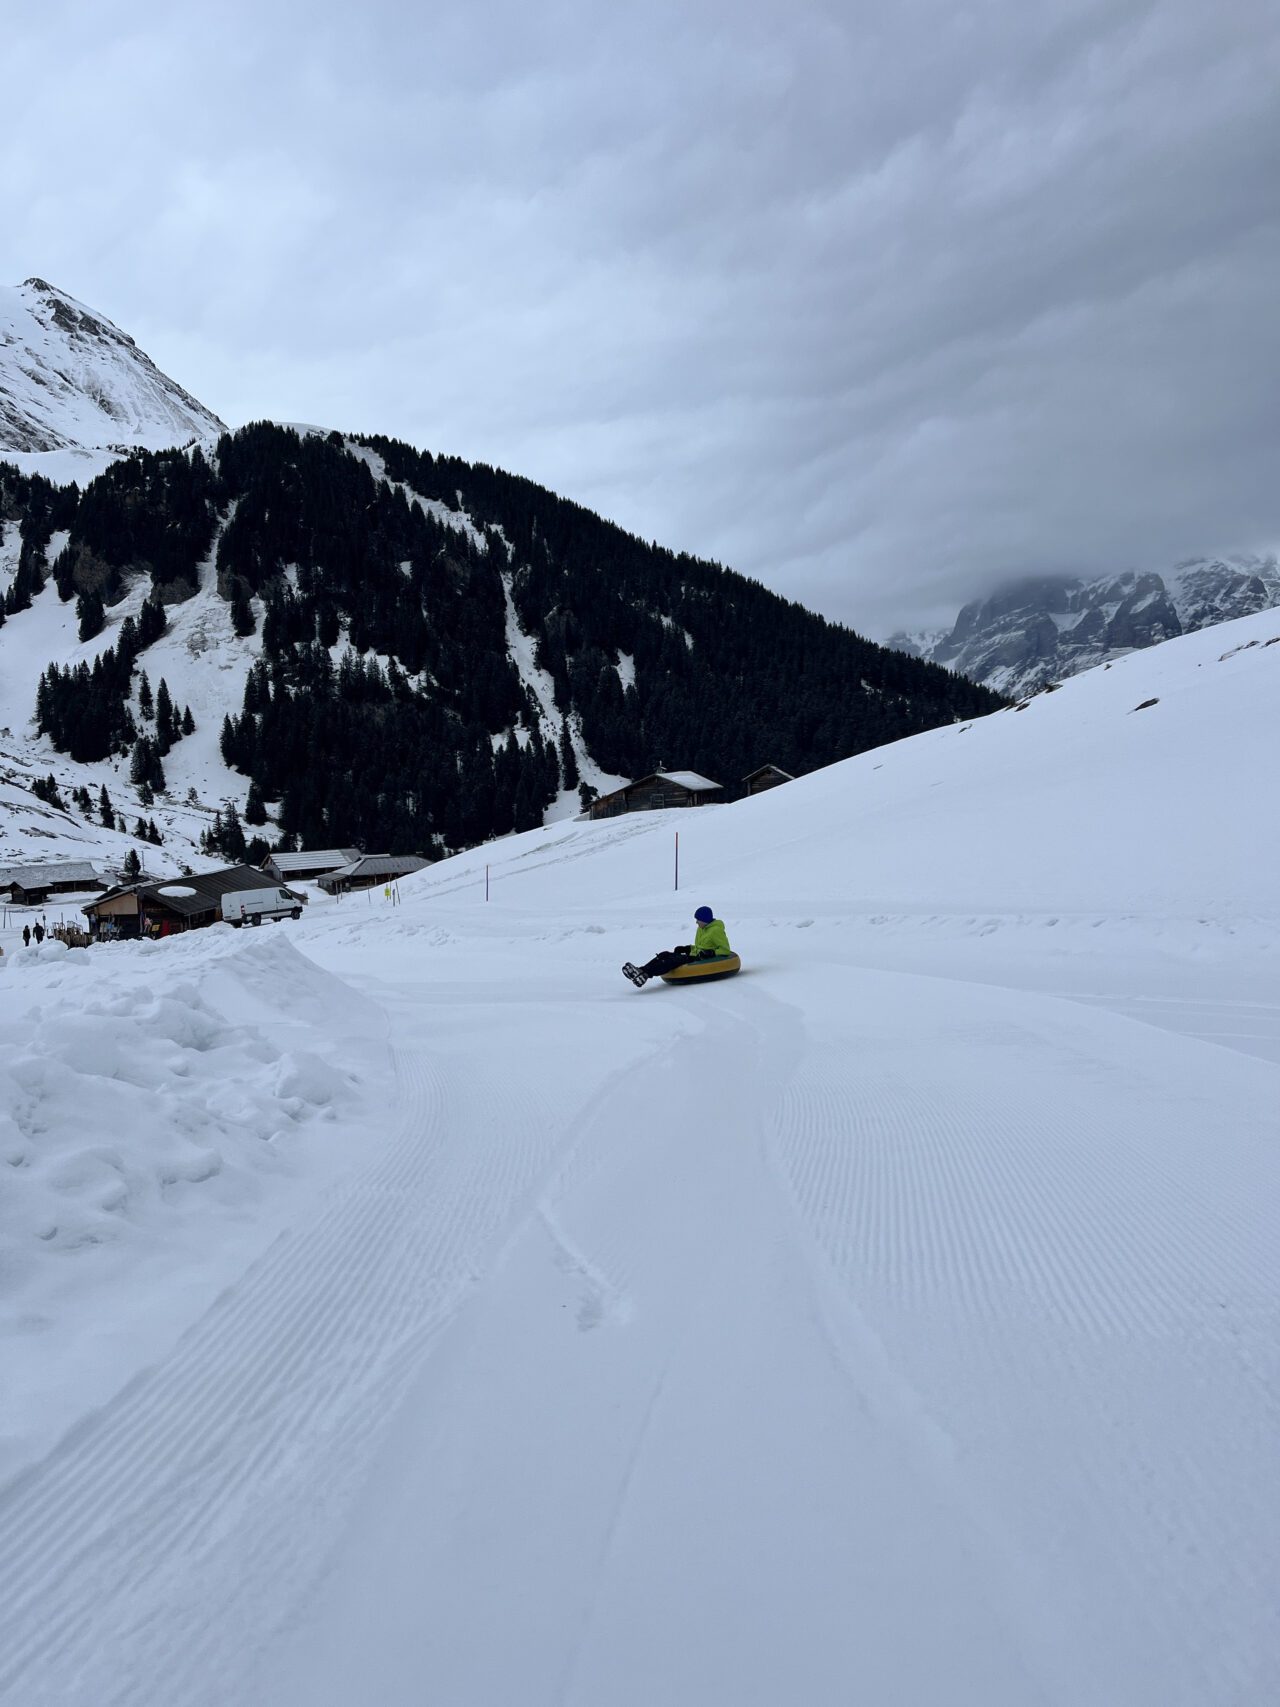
(1040, 630)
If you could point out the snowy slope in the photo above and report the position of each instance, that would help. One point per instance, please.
(893, 1323)
(204, 663)
(75, 390)
(1083, 801)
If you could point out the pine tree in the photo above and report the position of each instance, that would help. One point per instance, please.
(255, 811)
(164, 718)
(233, 838)
(145, 767)
(568, 760)
(146, 705)
(242, 618)
(106, 811)
(188, 721)
(91, 615)
(152, 623)
(132, 864)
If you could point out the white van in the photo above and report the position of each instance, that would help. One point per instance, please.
(251, 906)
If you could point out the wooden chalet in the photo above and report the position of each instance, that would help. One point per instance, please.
(32, 885)
(768, 776)
(369, 870)
(169, 904)
(655, 793)
(305, 866)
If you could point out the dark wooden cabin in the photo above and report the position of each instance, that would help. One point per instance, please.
(656, 793)
(768, 776)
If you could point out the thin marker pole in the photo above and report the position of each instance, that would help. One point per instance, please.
(486, 882)
(677, 860)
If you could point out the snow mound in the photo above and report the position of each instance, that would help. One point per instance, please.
(152, 1103)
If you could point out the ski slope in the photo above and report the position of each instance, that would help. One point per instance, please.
(893, 1323)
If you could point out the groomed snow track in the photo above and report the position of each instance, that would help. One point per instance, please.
(725, 1352)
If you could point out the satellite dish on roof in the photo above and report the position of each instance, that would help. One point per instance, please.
(179, 891)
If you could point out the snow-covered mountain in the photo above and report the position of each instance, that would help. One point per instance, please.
(405, 650)
(75, 391)
(400, 1307)
(1041, 630)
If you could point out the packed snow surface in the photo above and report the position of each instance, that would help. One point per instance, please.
(893, 1323)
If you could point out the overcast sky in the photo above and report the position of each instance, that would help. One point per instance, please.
(879, 302)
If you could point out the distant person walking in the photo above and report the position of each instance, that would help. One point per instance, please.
(38, 933)
(26, 936)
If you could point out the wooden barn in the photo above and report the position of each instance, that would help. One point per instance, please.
(32, 885)
(170, 904)
(370, 870)
(655, 793)
(768, 776)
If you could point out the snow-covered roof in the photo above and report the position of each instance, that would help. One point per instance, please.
(382, 865)
(686, 779)
(689, 780)
(375, 865)
(56, 871)
(321, 859)
(766, 770)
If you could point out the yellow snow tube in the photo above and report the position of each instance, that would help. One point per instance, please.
(722, 966)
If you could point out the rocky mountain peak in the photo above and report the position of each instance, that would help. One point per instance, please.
(53, 307)
(1042, 628)
(71, 381)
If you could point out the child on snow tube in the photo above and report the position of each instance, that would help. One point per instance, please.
(709, 941)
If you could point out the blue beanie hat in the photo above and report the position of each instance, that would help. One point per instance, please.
(704, 915)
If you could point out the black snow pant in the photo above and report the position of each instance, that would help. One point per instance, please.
(666, 961)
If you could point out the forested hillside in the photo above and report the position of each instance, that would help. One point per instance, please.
(403, 607)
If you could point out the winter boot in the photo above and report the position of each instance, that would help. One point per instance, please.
(636, 976)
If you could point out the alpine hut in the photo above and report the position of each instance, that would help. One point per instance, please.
(32, 885)
(170, 904)
(309, 864)
(654, 793)
(768, 776)
(369, 870)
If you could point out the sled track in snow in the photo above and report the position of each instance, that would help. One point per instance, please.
(1100, 1276)
(112, 1574)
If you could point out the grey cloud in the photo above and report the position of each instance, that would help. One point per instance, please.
(880, 303)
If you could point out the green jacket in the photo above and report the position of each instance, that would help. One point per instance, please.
(712, 937)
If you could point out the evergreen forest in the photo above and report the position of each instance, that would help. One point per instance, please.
(385, 708)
